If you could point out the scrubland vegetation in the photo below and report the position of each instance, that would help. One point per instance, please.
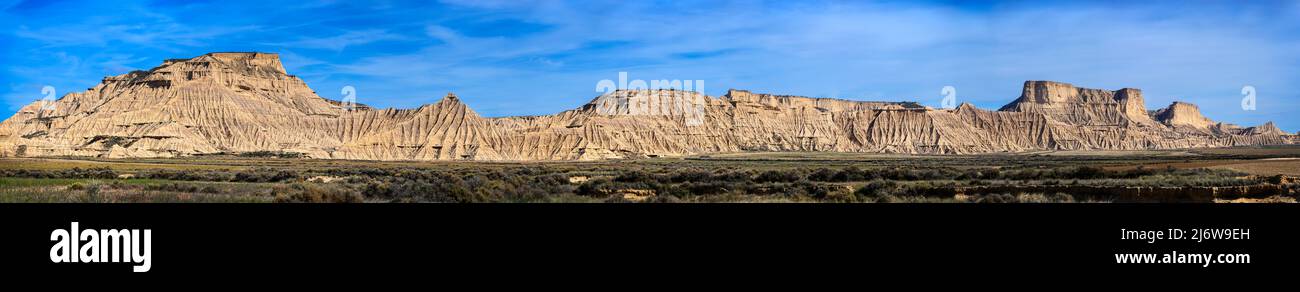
(889, 180)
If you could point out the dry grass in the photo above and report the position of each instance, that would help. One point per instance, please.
(1117, 153)
(62, 164)
(1273, 199)
(43, 190)
(1265, 167)
(220, 187)
(1273, 151)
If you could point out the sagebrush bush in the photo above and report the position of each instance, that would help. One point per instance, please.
(693, 182)
(315, 193)
(183, 188)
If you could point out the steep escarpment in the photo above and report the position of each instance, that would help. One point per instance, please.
(246, 102)
(1183, 115)
(446, 130)
(221, 102)
(1266, 129)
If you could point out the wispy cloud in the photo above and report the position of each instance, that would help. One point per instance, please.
(534, 57)
(342, 41)
(102, 34)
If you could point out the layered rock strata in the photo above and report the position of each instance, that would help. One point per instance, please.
(230, 103)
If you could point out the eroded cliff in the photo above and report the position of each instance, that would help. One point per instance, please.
(246, 102)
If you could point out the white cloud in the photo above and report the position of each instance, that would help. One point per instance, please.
(162, 35)
(491, 4)
(344, 40)
(443, 34)
(887, 50)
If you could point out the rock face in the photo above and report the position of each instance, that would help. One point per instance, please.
(229, 103)
(1184, 115)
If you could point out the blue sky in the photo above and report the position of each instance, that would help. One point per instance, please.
(520, 57)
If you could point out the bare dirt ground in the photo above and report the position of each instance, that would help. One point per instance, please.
(1265, 167)
(1269, 160)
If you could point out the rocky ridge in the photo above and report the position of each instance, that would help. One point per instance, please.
(230, 103)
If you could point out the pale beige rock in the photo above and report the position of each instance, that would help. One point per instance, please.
(246, 102)
(1266, 129)
(1184, 115)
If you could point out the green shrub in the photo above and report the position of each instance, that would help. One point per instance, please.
(997, 198)
(315, 193)
(771, 176)
(873, 191)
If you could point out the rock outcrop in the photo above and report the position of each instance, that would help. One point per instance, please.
(1184, 115)
(230, 103)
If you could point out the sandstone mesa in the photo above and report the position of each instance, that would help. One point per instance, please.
(230, 103)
